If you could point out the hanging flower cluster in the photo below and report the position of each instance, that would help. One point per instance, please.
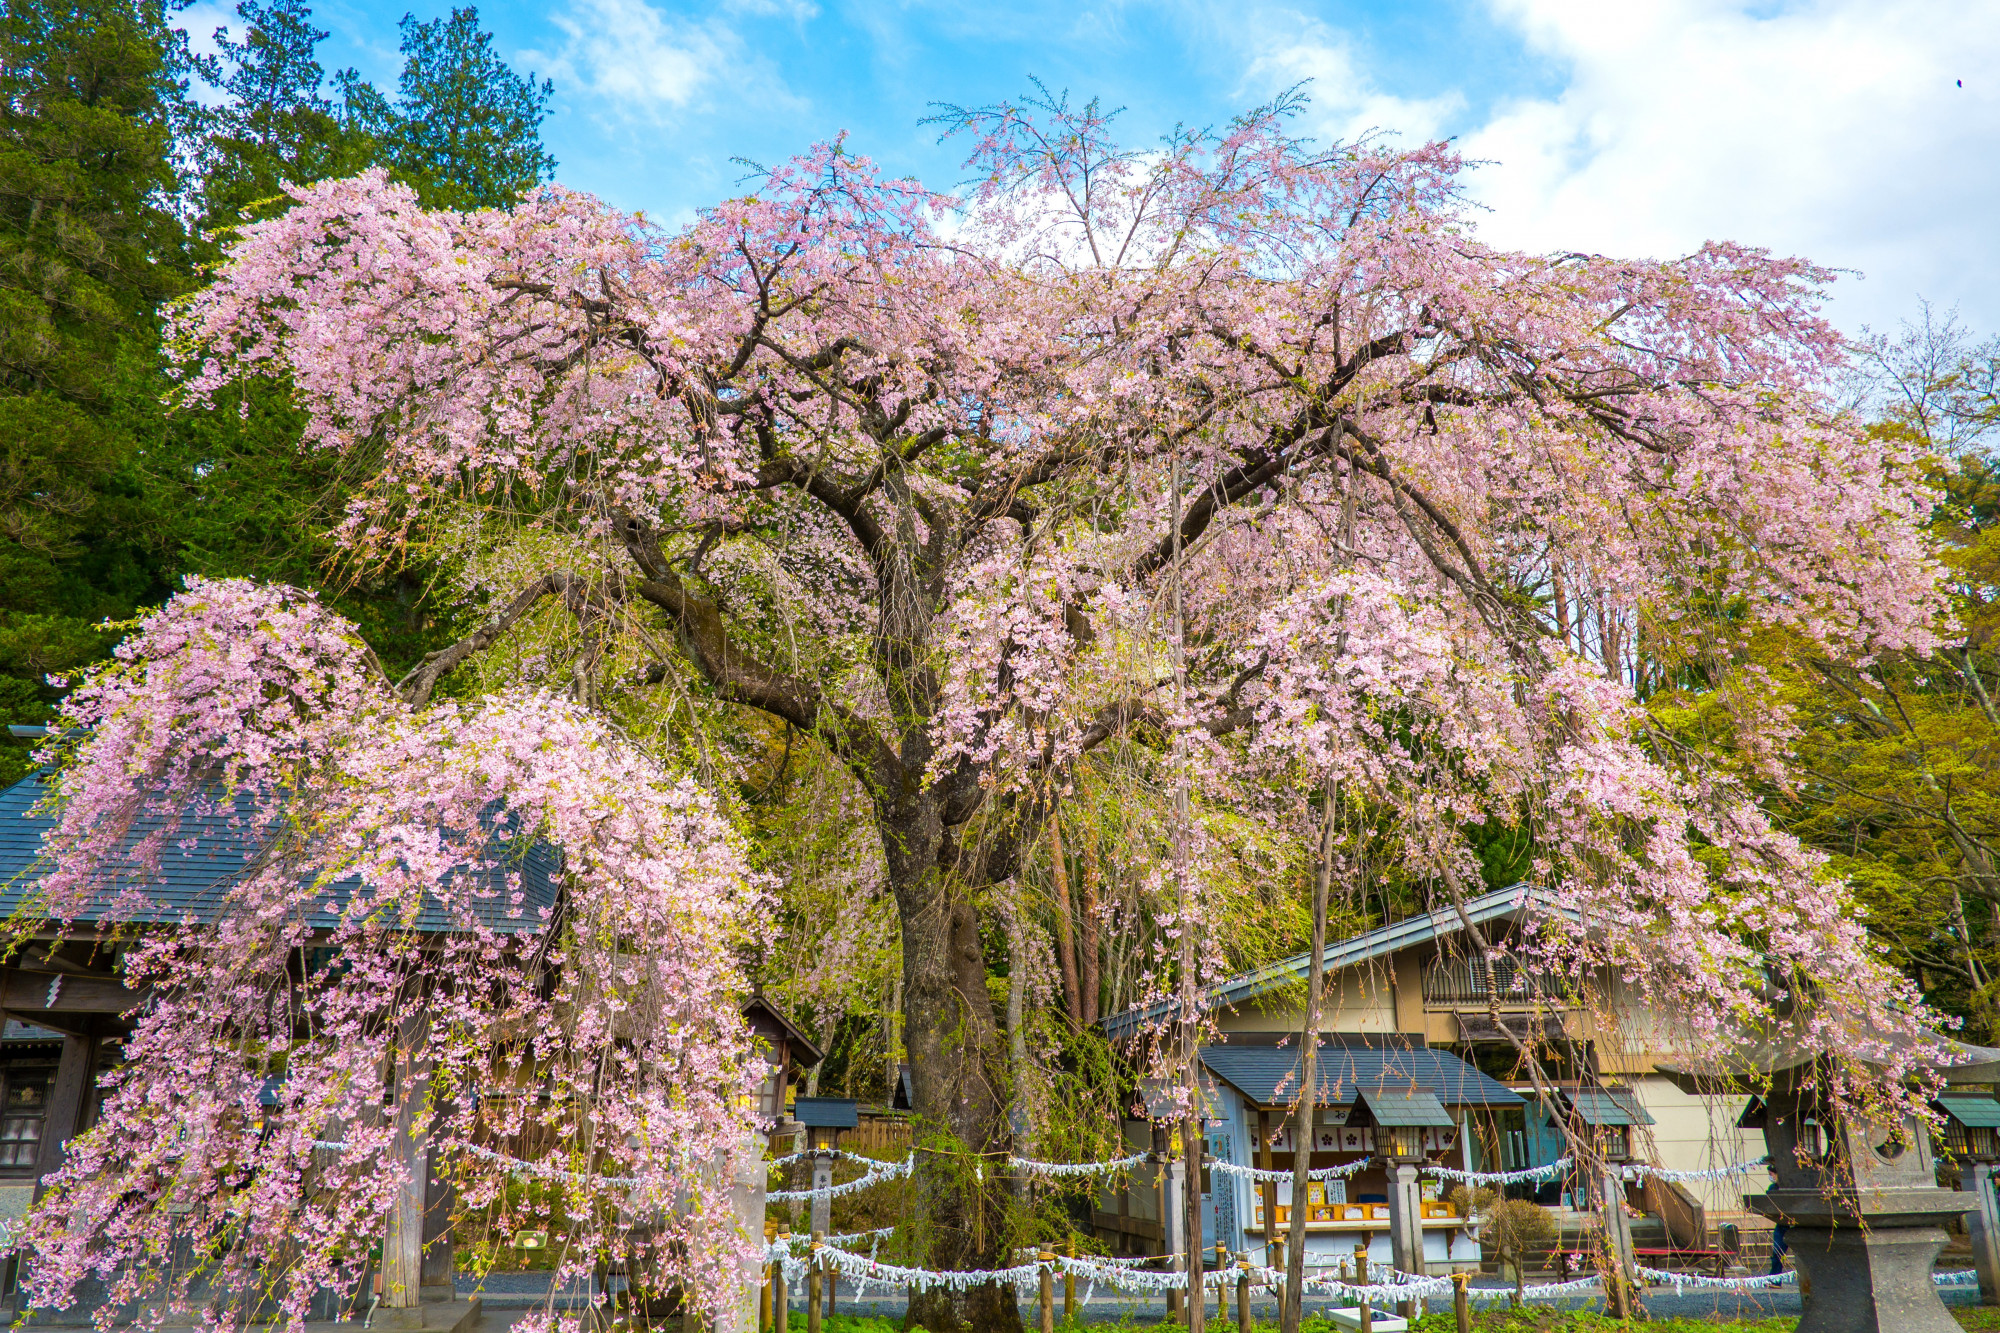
(492, 929)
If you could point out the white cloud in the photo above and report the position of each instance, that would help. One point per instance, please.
(1346, 103)
(636, 57)
(1834, 129)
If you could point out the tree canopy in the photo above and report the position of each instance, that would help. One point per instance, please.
(1242, 459)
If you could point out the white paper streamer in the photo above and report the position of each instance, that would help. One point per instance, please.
(1034, 1168)
(1682, 1281)
(1639, 1171)
(1262, 1176)
(1547, 1291)
(550, 1171)
(1559, 1167)
(878, 1171)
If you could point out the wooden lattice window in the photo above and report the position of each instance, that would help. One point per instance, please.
(23, 1111)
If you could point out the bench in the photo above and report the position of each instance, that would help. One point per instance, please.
(1719, 1257)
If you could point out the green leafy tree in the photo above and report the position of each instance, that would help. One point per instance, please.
(277, 124)
(464, 129)
(92, 96)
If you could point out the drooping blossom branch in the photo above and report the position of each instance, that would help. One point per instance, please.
(376, 930)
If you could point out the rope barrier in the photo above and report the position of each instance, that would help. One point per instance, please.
(1035, 1168)
(1640, 1171)
(1264, 1177)
(1550, 1171)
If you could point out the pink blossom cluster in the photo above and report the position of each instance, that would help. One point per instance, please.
(373, 942)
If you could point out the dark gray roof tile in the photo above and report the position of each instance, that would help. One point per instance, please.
(1259, 1070)
(193, 881)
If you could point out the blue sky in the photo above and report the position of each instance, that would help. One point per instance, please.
(1836, 129)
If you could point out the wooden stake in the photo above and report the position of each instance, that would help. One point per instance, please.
(781, 1299)
(812, 1283)
(1367, 1317)
(1048, 1291)
(1461, 1304)
(1361, 1265)
(764, 1301)
(1221, 1288)
(1243, 1294)
(1069, 1288)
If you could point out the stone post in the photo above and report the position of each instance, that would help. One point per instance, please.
(1406, 1219)
(1983, 1228)
(822, 1206)
(747, 1176)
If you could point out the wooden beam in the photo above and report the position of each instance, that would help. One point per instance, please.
(24, 994)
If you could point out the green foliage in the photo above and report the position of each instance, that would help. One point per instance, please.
(277, 125)
(465, 129)
(92, 94)
(106, 500)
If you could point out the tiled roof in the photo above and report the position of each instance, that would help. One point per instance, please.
(1403, 1110)
(1269, 1074)
(192, 882)
(1973, 1110)
(1607, 1106)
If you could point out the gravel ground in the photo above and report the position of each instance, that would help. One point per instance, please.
(508, 1295)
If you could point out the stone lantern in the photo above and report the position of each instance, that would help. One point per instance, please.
(1402, 1121)
(1864, 1215)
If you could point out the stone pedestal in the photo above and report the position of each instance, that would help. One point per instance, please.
(747, 1176)
(1872, 1280)
(1406, 1213)
(1982, 1227)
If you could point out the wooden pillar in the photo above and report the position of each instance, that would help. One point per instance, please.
(403, 1246)
(69, 1097)
(1274, 1254)
(440, 1261)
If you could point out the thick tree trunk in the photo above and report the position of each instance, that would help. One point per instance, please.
(958, 1070)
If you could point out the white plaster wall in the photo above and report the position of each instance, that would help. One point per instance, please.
(1699, 1134)
(1358, 1000)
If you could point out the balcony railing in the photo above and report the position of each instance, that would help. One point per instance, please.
(1451, 981)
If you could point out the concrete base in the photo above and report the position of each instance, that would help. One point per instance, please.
(429, 1317)
(1876, 1280)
